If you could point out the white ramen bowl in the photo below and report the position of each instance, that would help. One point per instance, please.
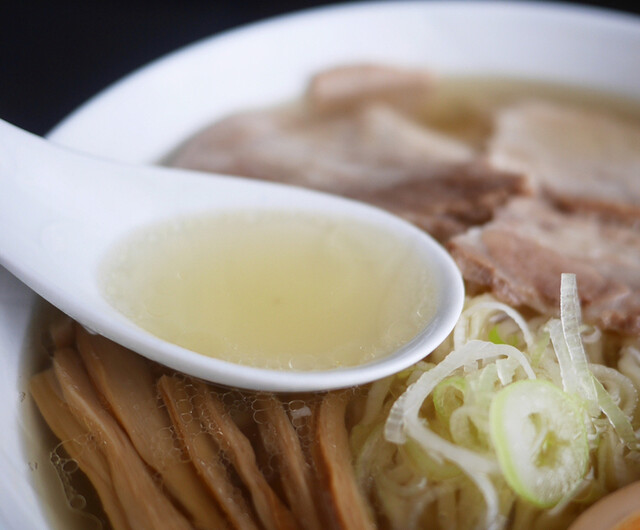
(141, 118)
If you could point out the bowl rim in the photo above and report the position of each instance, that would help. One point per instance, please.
(58, 131)
(69, 131)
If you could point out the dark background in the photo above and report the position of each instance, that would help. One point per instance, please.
(55, 54)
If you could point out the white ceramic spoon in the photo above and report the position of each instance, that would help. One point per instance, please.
(61, 211)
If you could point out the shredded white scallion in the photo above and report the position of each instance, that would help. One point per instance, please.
(618, 419)
(571, 318)
(406, 409)
(567, 371)
(428, 434)
(488, 307)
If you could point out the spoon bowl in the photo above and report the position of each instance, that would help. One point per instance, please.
(62, 211)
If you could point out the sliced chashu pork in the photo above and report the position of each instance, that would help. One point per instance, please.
(341, 87)
(582, 159)
(351, 131)
(353, 135)
(449, 201)
(521, 254)
(369, 148)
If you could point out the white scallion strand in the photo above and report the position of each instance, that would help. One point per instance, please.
(404, 421)
(571, 319)
(461, 333)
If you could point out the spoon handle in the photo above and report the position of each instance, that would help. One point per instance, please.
(61, 212)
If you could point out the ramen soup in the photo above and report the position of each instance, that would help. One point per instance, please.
(524, 417)
(287, 291)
